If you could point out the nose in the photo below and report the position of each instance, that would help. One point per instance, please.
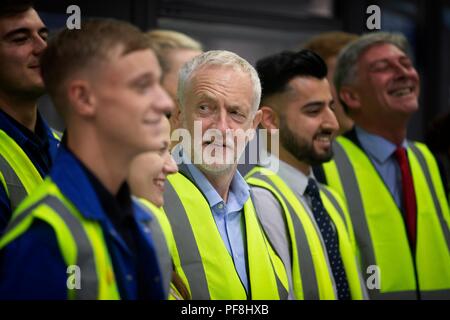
(221, 121)
(170, 166)
(163, 103)
(402, 71)
(329, 120)
(39, 45)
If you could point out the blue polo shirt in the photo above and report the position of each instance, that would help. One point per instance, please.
(40, 147)
(32, 267)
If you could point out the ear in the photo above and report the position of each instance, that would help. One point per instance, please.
(257, 119)
(81, 98)
(175, 121)
(269, 118)
(177, 115)
(255, 122)
(350, 97)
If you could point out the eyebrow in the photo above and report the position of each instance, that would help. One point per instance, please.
(236, 107)
(206, 96)
(147, 76)
(316, 104)
(387, 60)
(14, 32)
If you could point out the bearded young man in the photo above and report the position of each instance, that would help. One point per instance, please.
(306, 222)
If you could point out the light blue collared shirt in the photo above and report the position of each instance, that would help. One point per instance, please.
(228, 216)
(381, 154)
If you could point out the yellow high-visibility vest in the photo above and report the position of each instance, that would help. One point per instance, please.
(201, 258)
(80, 240)
(380, 229)
(18, 174)
(311, 275)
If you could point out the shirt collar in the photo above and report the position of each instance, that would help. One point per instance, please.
(294, 178)
(140, 212)
(119, 206)
(22, 135)
(379, 148)
(239, 189)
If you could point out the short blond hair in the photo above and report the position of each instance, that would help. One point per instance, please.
(73, 50)
(167, 40)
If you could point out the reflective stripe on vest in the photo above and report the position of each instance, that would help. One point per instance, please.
(203, 257)
(379, 225)
(305, 282)
(335, 203)
(12, 184)
(81, 245)
(159, 237)
(437, 204)
(56, 134)
(307, 237)
(20, 176)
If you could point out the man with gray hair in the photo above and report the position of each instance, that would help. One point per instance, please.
(222, 250)
(392, 186)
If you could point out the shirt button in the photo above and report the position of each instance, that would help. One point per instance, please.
(220, 205)
(129, 277)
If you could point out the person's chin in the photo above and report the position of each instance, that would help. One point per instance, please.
(322, 155)
(325, 157)
(35, 88)
(159, 202)
(216, 168)
(411, 107)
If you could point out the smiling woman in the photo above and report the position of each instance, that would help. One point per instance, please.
(149, 170)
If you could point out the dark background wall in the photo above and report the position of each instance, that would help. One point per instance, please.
(256, 28)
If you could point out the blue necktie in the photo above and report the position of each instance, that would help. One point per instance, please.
(330, 237)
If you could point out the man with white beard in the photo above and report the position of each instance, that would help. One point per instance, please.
(222, 252)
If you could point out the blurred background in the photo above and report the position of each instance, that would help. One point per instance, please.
(257, 28)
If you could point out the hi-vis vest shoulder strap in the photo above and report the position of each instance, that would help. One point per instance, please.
(18, 174)
(379, 225)
(312, 275)
(160, 231)
(81, 243)
(160, 215)
(202, 259)
(56, 134)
